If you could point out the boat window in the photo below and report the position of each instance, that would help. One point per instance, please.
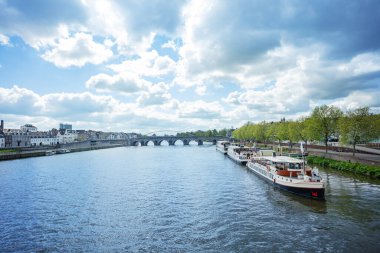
(280, 166)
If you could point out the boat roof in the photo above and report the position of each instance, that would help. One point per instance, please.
(240, 147)
(282, 159)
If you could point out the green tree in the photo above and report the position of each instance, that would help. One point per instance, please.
(260, 131)
(357, 126)
(222, 132)
(324, 122)
(237, 134)
(298, 130)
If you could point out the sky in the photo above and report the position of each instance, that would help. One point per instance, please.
(154, 65)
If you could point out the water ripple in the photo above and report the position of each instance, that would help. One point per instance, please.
(174, 199)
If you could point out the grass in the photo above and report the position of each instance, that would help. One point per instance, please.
(7, 150)
(356, 168)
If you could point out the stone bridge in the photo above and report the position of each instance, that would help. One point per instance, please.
(157, 140)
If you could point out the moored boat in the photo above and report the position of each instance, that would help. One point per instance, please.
(289, 174)
(63, 151)
(222, 146)
(241, 154)
(49, 152)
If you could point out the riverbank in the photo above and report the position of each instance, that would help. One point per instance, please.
(20, 154)
(371, 171)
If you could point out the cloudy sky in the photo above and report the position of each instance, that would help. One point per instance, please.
(184, 65)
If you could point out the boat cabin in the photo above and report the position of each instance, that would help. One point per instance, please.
(285, 166)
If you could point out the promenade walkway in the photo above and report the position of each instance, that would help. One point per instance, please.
(371, 159)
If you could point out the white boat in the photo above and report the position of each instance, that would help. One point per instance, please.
(49, 152)
(63, 151)
(289, 174)
(222, 146)
(241, 154)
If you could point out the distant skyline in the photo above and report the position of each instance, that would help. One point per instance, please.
(144, 66)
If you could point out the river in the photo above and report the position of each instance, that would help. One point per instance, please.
(175, 199)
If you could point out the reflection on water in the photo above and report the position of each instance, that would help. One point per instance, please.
(176, 199)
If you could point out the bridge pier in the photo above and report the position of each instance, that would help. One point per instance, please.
(157, 140)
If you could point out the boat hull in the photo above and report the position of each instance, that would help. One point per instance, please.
(221, 149)
(237, 160)
(313, 193)
(308, 192)
(242, 162)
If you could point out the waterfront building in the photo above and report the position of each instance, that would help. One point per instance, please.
(63, 126)
(116, 136)
(2, 139)
(66, 136)
(83, 135)
(43, 139)
(16, 138)
(28, 128)
(132, 135)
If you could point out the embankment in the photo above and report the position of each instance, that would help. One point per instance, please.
(371, 171)
(19, 154)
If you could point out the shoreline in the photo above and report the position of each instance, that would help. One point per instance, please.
(368, 171)
(42, 152)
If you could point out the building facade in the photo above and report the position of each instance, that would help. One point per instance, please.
(16, 138)
(66, 136)
(63, 126)
(2, 139)
(28, 128)
(43, 139)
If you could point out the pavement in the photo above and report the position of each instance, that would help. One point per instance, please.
(369, 150)
(371, 159)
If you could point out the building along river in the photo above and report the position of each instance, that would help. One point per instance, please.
(175, 199)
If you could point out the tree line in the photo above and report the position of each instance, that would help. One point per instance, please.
(208, 133)
(352, 127)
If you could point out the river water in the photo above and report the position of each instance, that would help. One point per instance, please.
(175, 199)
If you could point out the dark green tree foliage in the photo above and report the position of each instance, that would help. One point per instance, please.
(208, 133)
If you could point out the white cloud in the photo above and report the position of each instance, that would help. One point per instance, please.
(95, 111)
(157, 94)
(19, 101)
(4, 40)
(149, 63)
(133, 24)
(359, 99)
(23, 101)
(131, 77)
(65, 104)
(201, 90)
(170, 44)
(200, 109)
(120, 83)
(77, 51)
(308, 77)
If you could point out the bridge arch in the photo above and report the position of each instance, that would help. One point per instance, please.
(178, 142)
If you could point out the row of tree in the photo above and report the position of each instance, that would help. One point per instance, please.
(208, 133)
(352, 127)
